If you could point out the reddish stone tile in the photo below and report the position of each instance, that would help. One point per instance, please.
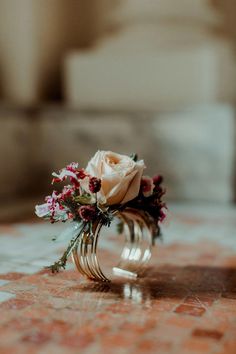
(222, 314)
(22, 323)
(36, 337)
(15, 304)
(12, 276)
(207, 333)
(70, 314)
(152, 345)
(45, 280)
(193, 345)
(38, 312)
(146, 345)
(227, 303)
(182, 322)
(190, 310)
(10, 229)
(229, 347)
(200, 300)
(80, 342)
(162, 306)
(120, 308)
(118, 340)
(65, 275)
(138, 328)
(8, 349)
(103, 316)
(57, 326)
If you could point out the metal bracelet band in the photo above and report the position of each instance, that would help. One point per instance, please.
(136, 252)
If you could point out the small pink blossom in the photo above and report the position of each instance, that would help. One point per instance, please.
(73, 166)
(70, 171)
(63, 174)
(67, 192)
(52, 209)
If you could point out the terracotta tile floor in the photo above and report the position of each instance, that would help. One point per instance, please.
(184, 303)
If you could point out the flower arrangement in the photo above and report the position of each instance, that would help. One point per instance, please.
(110, 182)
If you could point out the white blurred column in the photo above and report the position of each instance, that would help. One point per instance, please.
(34, 37)
(163, 54)
(18, 51)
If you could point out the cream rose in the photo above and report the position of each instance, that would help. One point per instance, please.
(120, 176)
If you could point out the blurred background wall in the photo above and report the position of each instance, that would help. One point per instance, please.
(156, 77)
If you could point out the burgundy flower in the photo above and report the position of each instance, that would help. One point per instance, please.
(94, 184)
(87, 212)
(56, 180)
(146, 186)
(162, 215)
(157, 180)
(81, 174)
(67, 192)
(75, 182)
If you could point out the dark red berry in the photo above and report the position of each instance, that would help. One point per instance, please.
(87, 212)
(157, 180)
(94, 184)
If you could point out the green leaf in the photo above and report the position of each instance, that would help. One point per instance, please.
(134, 157)
(84, 199)
(61, 263)
(120, 227)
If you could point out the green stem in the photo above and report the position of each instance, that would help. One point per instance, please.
(61, 263)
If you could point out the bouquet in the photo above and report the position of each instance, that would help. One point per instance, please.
(110, 182)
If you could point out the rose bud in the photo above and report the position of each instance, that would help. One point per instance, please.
(147, 186)
(94, 184)
(87, 212)
(157, 180)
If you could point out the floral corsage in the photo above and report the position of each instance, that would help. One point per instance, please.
(110, 182)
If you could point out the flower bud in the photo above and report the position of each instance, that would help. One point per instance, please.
(94, 184)
(87, 212)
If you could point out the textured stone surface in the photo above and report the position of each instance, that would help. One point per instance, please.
(134, 76)
(184, 303)
(195, 151)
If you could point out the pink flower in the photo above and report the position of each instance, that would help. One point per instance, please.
(147, 186)
(81, 174)
(71, 172)
(67, 192)
(52, 209)
(73, 166)
(63, 174)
